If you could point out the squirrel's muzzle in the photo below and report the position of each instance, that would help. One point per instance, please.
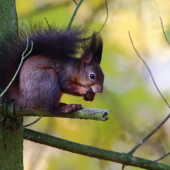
(97, 88)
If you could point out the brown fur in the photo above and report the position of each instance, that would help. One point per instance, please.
(50, 70)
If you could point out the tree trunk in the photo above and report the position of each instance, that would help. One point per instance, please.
(11, 129)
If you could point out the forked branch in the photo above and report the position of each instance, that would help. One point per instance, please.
(78, 6)
(149, 135)
(90, 151)
(160, 125)
(75, 12)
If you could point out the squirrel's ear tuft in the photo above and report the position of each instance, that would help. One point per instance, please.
(96, 47)
(86, 59)
(98, 50)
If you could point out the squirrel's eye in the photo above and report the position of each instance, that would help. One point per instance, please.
(92, 76)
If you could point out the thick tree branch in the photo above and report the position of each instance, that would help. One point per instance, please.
(122, 158)
(83, 113)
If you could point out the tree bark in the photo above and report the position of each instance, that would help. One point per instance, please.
(11, 129)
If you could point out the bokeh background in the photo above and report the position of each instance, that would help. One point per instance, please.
(136, 107)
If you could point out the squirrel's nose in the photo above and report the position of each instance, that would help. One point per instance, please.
(100, 89)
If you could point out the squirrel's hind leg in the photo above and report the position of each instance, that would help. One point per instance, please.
(39, 86)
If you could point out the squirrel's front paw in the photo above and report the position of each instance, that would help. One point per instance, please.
(89, 94)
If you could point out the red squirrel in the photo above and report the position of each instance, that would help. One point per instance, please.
(52, 68)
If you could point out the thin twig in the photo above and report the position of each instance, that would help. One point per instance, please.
(160, 125)
(78, 5)
(21, 62)
(23, 54)
(148, 70)
(47, 22)
(149, 135)
(164, 31)
(107, 13)
(123, 167)
(74, 14)
(33, 122)
(158, 159)
(75, 2)
(162, 147)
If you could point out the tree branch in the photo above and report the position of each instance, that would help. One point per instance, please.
(33, 122)
(83, 113)
(75, 12)
(149, 135)
(107, 13)
(149, 71)
(162, 147)
(164, 31)
(159, 158)
(160, 125)
(75, 2)
(122, 158)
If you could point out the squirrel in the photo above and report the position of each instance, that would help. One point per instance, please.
(52, 68)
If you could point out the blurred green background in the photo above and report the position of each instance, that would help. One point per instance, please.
(136, 107)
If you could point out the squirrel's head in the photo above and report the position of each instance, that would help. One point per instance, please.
(90, 70)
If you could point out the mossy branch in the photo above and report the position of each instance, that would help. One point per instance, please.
(122, 158)
(83, 113)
